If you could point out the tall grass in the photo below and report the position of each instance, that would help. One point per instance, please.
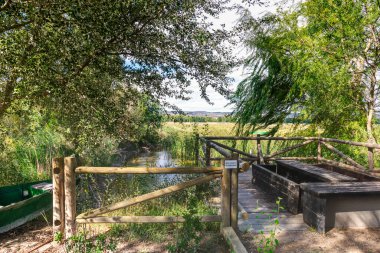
(28, 158)
(179, 139)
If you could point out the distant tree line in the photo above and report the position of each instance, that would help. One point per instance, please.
(188, 118)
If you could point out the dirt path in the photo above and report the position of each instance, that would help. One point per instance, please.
(26, 237)
(335, 241)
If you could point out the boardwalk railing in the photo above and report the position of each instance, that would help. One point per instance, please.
(213, 142)
(65, 216)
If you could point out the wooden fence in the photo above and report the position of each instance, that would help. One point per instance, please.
(65, 170)
(345, 161)
(65, 218)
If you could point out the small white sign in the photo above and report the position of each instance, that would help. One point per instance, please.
(230, 164)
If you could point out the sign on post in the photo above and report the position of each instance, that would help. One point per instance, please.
(230, 164)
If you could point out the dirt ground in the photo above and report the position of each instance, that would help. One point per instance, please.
(335, 241)
(27, 237)
(36, 236)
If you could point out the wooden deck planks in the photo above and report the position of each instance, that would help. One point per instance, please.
(314, 171)
(261, 205)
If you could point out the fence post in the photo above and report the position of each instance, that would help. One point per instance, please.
(208, 154)
(226, 196)
(196, 153)
(371, 163)
(260, 158)
(70, 197)
(58, 195)
(319, 151)
(234, 193)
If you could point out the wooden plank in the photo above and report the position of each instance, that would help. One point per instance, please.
(148, 196)
(280, 186)
(296, 138)
(309, 158)
(226, 197)
(315, 172)
(140, 170)
(70, 196)
(231, 238)
(58, 195)
(371, 162)
(234, 194)
(208, 154)
(340, 164)
(352, 172)
(237, 151)
(221, 150)
(196, 147)
(259, 151)
(145, 219)
(347, 158)
(342, 189)
(319, 151)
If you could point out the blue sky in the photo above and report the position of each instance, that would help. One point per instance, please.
(196, 103)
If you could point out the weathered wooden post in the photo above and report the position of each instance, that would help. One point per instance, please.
(196, 146)
(234, 193)
(319, 150)
(70, 197)
(58, 195)
(260, 157)
(208, 153)
(371, 162)
(226, 196)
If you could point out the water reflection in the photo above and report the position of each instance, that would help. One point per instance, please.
(160, 159)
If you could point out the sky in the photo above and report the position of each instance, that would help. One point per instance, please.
(220, 104)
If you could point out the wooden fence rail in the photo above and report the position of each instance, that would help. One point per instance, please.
(64, 207)
(226, 150)
(64, 173)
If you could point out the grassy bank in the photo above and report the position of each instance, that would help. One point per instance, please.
(179, 139)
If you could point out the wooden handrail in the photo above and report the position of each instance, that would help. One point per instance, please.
(287, 149)
(234, 150)
(347, 158)
(141, 170)
(296, 138)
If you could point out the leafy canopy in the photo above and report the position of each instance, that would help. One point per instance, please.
(89, 63)
(317, 59)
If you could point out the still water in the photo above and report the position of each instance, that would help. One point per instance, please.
(160, 159)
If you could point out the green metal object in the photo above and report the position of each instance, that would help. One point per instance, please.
(23, 202)
(261, 132)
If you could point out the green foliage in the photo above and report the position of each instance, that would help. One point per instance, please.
(317, 59)
(100, 243)
(188, 236)
(87, 62)
(99, 73)
(58, 237)
(27, 148)
(267, 243)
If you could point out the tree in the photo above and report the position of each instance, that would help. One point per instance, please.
(86, 62)
(319, 59)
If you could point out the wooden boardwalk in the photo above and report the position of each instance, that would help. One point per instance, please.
(262, 209)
